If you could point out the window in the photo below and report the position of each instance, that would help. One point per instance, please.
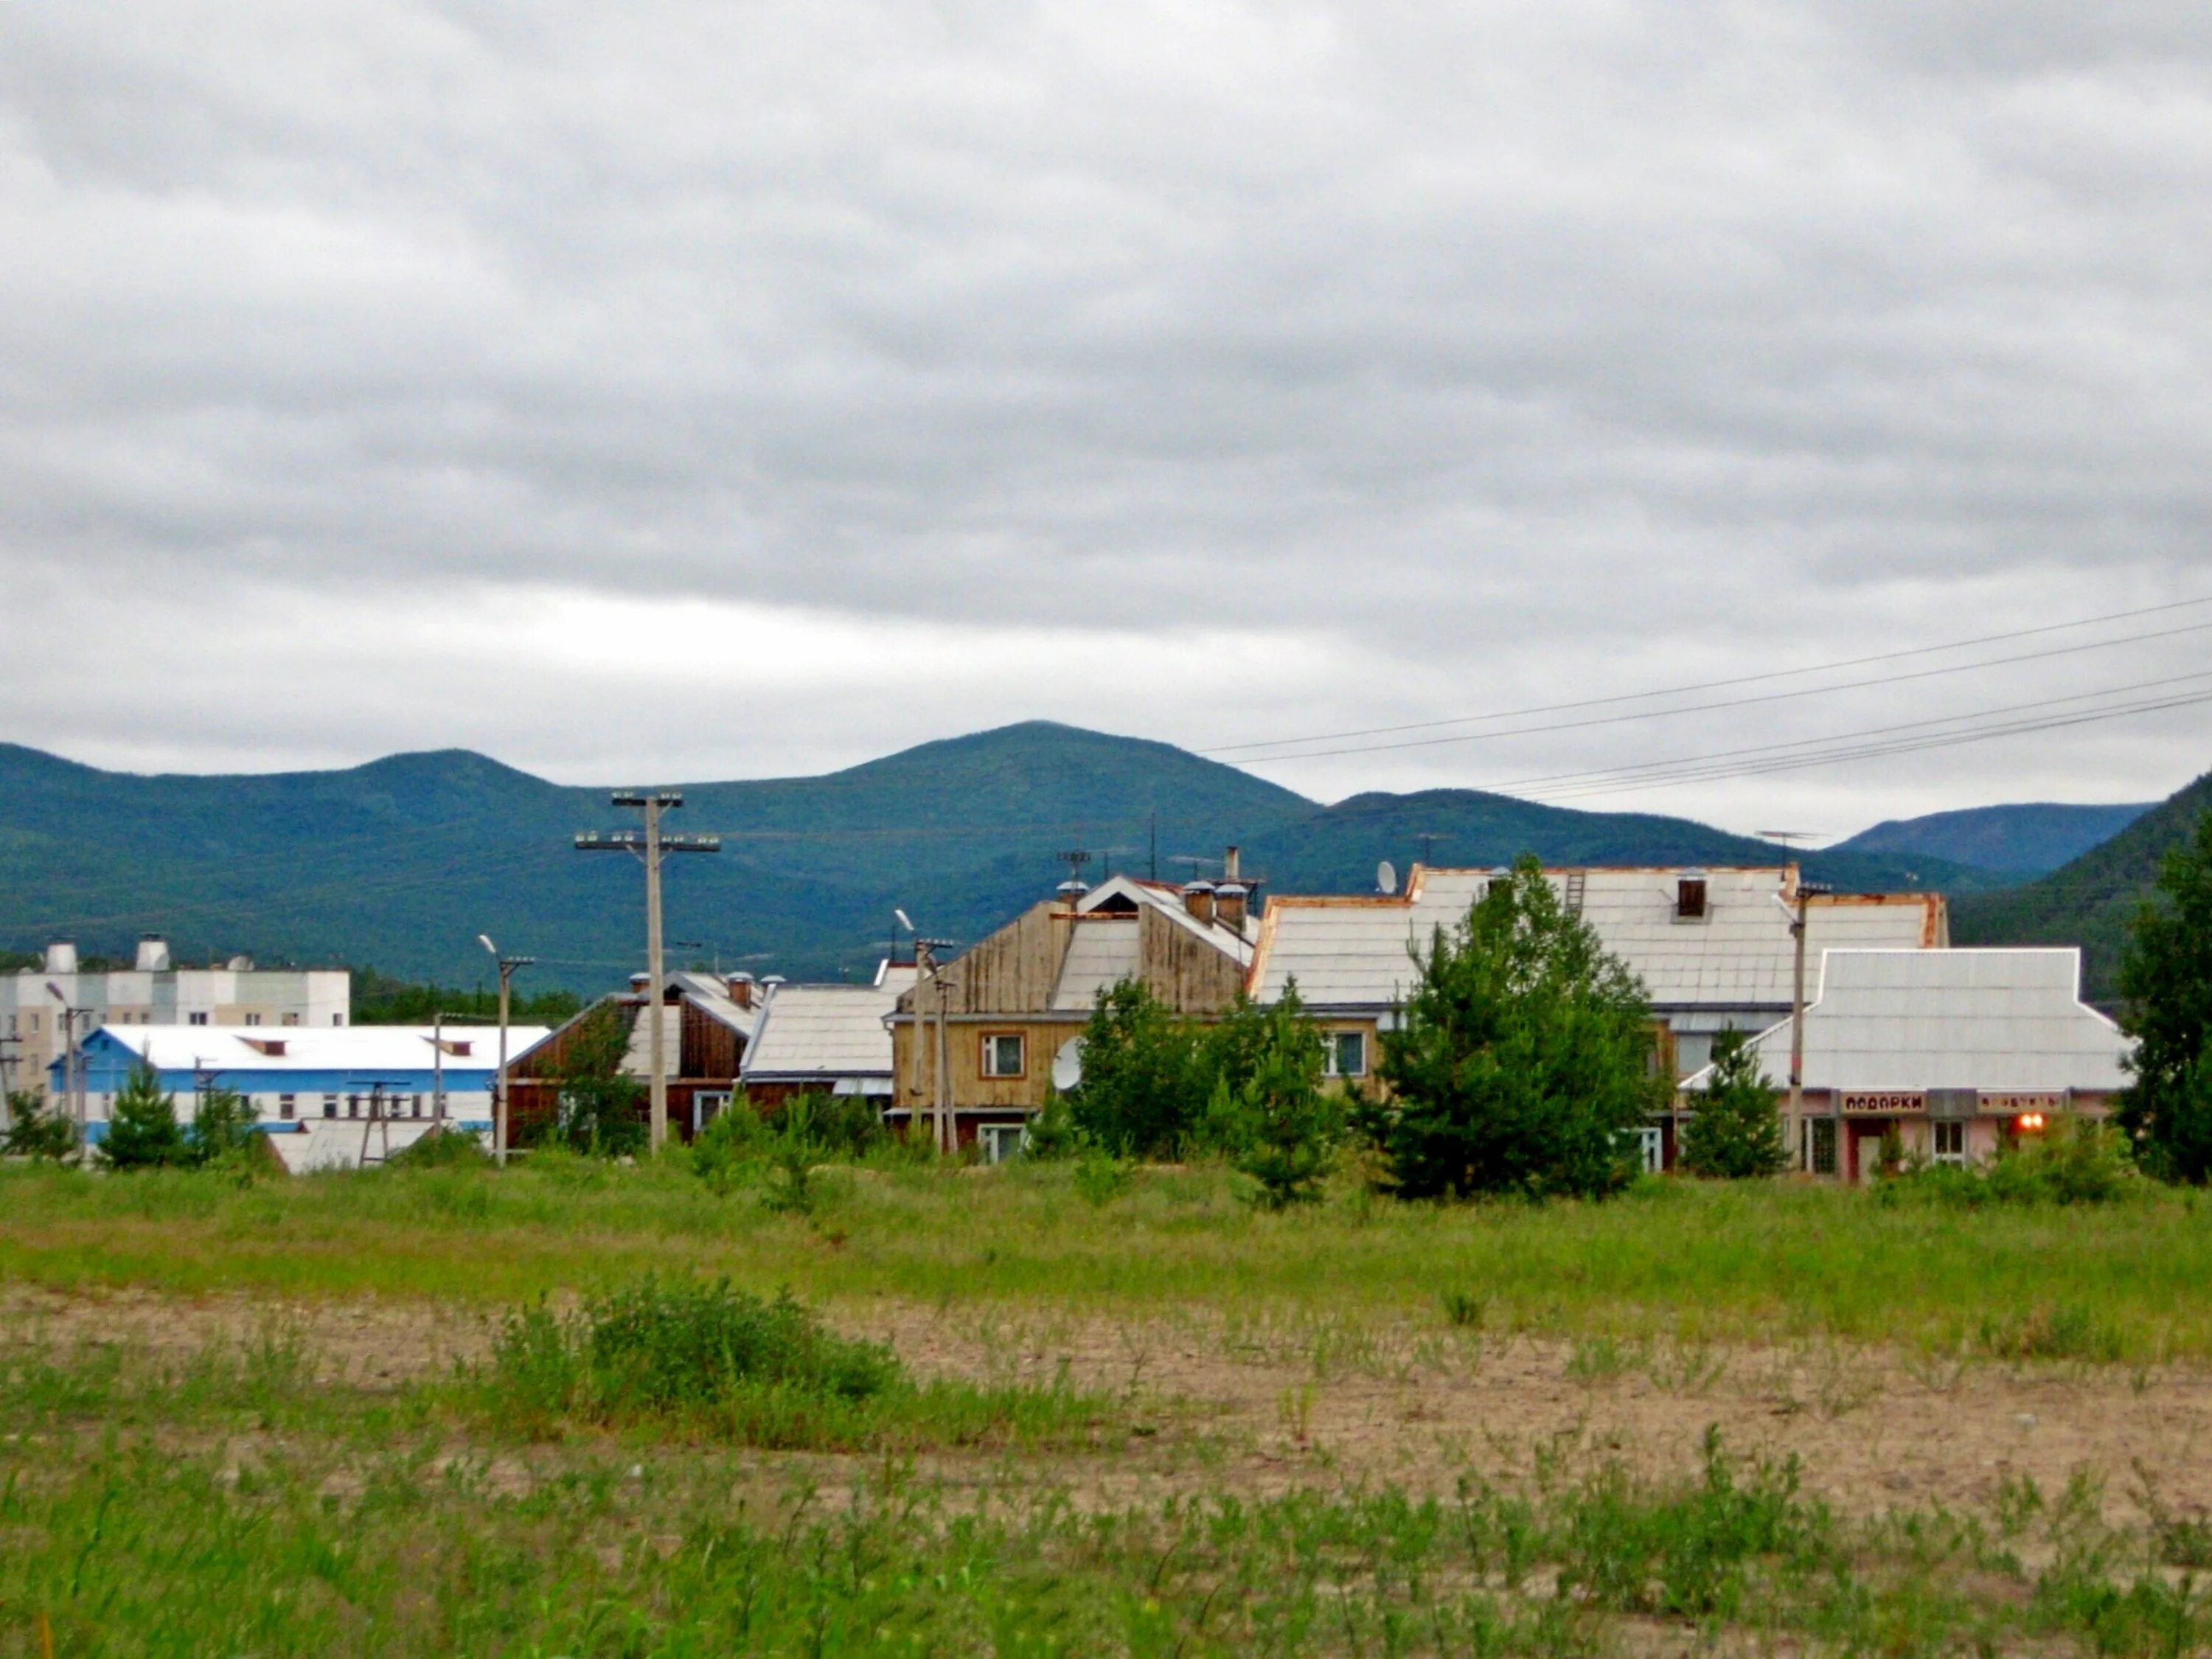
(288, 1107)
(1650, 1148)
(1950, 1142)
(338, 1019)
(1002, 1141)
(1345, 1054)
(1002, 1054)
(253, 1020)
(417, 1107)
(329, 1105)
(196, 1019)
(1820, 1146)
(34, 1022)
(1689, 899)
(353, 1105)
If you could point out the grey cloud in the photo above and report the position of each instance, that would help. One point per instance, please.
(1498, 340)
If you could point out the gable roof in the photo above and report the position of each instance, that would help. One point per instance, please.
(1358, 952)
(822, 1031)
(2004, 1021)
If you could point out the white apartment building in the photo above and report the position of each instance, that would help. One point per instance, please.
(42, 1010)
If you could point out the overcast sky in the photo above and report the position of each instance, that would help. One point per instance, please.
(716, 390)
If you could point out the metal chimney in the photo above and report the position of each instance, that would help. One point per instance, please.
(153, 954)
(61, 957)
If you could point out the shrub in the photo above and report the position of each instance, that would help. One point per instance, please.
(599, 1109)
(1100, 1177)
(2075, 1160)
(1053, 1131)
(1523, 1057)
(1270, 1111)
(733, 1146)
(2066, 1331)
(221, 1127)
(1736, 1134)
(2167, 979)
(702, 1357)
(442, 1148)
(1144, 1085)
(143, 1131)
(34, 1131)
(844, 1126)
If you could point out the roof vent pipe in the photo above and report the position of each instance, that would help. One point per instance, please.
(61, 957)
(153, 955)
(1229, 867)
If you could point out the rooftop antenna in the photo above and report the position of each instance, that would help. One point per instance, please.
(1789, 838)
(1074, 887)
(1428, 838)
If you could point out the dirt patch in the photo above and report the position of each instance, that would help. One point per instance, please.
(1260, 1407)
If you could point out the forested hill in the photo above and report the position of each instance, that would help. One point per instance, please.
(2092, 901)
(2031, 839)
(400, 863)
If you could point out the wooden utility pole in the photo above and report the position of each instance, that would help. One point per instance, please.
(501, 1131)
(1806, 891)
(649, 847)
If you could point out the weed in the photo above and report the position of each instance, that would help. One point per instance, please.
(1099, 1178)
(1598, 1359)
(2048, 1331)
(1465, 1309)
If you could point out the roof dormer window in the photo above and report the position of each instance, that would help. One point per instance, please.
(1690, 896)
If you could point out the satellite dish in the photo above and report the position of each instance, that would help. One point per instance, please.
(1386, 878)
(1067, 1064)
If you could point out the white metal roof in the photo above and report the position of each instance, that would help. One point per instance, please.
(317, 1048)
(1357, 951)
(1101, 954)
(823, 1031)
(2000, 1021)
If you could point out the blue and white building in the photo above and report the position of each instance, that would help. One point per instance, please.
(315, 1092)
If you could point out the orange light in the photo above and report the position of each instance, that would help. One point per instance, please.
(2030, 1123)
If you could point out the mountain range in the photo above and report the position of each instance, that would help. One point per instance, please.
(401, 863)
(2022, 841)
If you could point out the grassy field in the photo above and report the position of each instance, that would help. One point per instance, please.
(1693, 1259)
(334, 1416)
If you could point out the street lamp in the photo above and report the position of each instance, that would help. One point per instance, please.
(507, 966)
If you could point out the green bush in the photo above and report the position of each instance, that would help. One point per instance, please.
(2075, 1160)
(36, 1131)
(143, 1131)
(599, 1110)
(1736, 1134)
(732, 1147)
(445, 1148)
(700, 1356)
(1523, 1058)
(1144, 1083)
(222, 1126)
(1270, 1111)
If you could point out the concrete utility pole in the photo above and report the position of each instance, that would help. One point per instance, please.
(1807, 892)
(500, 1131)
(925, 971)
(649, 846)
(73, 1078)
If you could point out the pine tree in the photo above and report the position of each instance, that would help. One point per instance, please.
(2167, 980)
(142, 1126)
(1737, 1133)
(1524, 1056)
(1271, 1111)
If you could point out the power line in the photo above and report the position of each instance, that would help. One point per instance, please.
(1838, 747)
(1734, 702)
(1712, 685)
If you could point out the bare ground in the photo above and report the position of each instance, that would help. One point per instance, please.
(1259, 1404)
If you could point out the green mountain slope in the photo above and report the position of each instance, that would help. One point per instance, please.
(2027, 840)
(400, 863)
(2091, 901)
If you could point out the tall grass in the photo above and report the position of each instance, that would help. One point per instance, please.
(1702, 1262)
